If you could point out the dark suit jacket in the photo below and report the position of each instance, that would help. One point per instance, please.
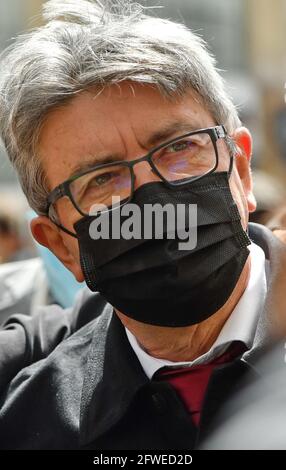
(92, 393)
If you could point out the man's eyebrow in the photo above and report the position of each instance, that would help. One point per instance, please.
(94, 161)
(168, 131)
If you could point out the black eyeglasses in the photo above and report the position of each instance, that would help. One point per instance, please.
(177, 162)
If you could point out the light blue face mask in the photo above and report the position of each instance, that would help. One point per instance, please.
(61, 281)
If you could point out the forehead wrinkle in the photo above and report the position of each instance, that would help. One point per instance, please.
(121, 136)
(129, 140)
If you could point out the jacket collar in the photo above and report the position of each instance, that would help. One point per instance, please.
(275, 304)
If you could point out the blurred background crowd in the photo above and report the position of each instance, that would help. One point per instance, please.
(248, 38)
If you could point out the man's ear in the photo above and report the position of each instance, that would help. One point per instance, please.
(49, 235)
(243, 141)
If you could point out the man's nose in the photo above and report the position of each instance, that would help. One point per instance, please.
(144, 173)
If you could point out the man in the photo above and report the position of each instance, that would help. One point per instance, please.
(101, 108)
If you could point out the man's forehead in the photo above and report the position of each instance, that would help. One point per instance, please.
(142, 107)
(96, 126)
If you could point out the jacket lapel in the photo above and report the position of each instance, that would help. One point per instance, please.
(113, 377)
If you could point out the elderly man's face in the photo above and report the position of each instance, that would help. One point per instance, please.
(123, 122)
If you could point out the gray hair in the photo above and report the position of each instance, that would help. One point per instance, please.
(93, 43)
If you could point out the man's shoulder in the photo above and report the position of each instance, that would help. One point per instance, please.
(19, 282)
(46, 396)
(27, 339)
(74, 348)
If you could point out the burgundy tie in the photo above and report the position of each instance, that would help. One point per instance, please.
(191, 382)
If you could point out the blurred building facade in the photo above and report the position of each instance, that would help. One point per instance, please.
(248, 37)
(15, 18)
(266, 25)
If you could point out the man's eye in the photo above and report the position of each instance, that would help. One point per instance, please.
(179, 146)
(99, 180)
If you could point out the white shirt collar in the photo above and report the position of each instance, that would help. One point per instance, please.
(240, 326)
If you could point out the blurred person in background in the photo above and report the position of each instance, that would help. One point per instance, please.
(269, 194)
(10, 241)
(14, 242)
(277, 223)
(176, 332)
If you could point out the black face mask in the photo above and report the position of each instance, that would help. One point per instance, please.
(154, 282)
